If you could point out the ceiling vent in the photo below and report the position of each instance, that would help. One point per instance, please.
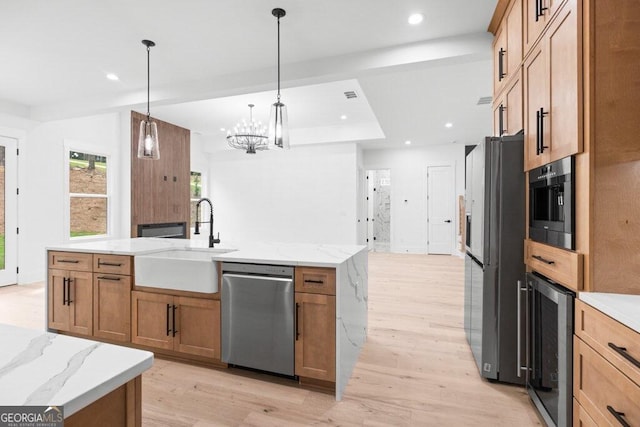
(351, 94)
(485, 100)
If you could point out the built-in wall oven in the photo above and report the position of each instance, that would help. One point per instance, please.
(551, 203)
(548, 347)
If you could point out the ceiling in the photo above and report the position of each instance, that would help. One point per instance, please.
(211, 59)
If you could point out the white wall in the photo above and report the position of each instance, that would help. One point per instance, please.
(409, 182)
(42, 203)
(306, 194)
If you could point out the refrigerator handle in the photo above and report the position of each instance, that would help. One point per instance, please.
(520, 366)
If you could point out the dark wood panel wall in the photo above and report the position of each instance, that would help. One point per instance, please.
(160, 188)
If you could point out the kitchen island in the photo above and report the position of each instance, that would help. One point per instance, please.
(348, 320)
(95, 383)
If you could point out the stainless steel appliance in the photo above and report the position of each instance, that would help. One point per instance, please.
(548, 360)
(551, 201)
(495, 201)
(258, 326)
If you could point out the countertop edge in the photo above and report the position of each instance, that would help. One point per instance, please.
(108, 386)
(605, 303)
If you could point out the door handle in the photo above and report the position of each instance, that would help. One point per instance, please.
(501, 110)
(546, 261)
(542, 115)
(622, 351)
(447, 220)
(618, 416)
(501, 72)
(297, 317)
(64, 291)
(168, 329)
(69, 291)
(519, 366)
(109, 264)
(174, 320)
(538, 132)
(115, 279)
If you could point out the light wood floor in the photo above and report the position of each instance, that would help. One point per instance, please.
(416, 368)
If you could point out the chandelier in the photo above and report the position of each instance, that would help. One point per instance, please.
(250, 136)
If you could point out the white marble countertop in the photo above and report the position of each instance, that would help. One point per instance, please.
(42, 368)
(313, 255)
(621, 307)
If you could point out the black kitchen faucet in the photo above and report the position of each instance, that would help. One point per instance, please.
(197, 230)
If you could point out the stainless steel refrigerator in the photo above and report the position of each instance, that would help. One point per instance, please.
(495, 210)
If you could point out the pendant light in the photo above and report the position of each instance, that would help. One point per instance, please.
(148, 145)
(278, 127)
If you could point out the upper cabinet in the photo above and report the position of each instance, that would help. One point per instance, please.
(507, 46)
(507, 109)
(537, 15)
(552, 75)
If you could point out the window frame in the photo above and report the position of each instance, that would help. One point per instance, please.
(80, 147)
(202, 194)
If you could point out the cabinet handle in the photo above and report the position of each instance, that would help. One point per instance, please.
(69, 291)
(501, 72)
(64, 291)
(313, 281)
(618, 415)
(542, 114)
(501, 129)
(68, 261)
(540, 9)
(168, 308)
(622, 351)
(538, 132)
(546, 261)
(175, 307)
(297, 317)
(109, 264)
(115, 279)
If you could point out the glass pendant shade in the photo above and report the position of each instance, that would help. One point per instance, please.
(278, 126)
(148, 146)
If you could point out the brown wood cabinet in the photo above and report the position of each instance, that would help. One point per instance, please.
(112, 306)
(537, 14)
(315, 346)
(507, 46)
(606, 370)
(160, 188)
(183, 324)
(552, 90)
(507, 109)
(70, 301)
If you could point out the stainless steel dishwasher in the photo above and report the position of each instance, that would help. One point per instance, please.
(258, 326)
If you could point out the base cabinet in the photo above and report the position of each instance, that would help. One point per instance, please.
(70, 303)
(315, 345)
(169, 322)
(112, 307)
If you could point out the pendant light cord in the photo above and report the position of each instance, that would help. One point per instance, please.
(278, 59)
(148, 84)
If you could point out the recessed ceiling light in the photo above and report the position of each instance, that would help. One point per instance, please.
(222, 129)
(407, 142)
(113, 77)
(415, 18)
(343, 117)
(448, 125)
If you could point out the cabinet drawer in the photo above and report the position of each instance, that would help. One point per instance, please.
(76, 261)
(316, 280)
(602, 390)
(581, 418)
(560, 265)
(114, 264)
(610, 338)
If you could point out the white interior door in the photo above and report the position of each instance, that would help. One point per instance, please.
(440, 210)
(8, 211)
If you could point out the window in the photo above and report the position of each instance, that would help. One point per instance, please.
(196, 194)
(88, 197)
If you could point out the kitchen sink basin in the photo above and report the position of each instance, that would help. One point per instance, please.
(181, 270)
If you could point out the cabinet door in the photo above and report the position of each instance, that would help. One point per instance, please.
(112, 306)
(198, 326)
(513, 113)
(513, 28)
(58, 310)
(565, 111)
(151, 319)
(536, 97)
(537, 14)
(81, 302)
(316, 336)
